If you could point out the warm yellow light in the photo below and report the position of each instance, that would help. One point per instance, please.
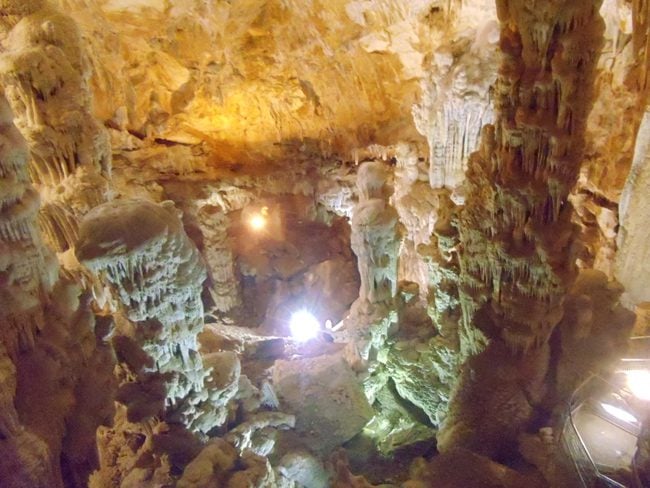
(257, 222)
(638, 381)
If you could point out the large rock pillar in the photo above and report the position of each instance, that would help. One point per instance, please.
(516, 233)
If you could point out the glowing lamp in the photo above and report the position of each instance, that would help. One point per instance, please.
(257, 222)
(638, 381)
(303, 326)
(619, 413)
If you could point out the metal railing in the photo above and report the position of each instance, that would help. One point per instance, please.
(586, 470)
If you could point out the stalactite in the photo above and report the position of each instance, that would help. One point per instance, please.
(641, 39)
(455, 105)
(45, 73)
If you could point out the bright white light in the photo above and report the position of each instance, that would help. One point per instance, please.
(638, 381)
(619, 413)
(257, 222)
(304, 326)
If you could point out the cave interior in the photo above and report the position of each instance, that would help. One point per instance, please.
(324, 243)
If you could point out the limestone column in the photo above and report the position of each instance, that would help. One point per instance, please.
(516, 234)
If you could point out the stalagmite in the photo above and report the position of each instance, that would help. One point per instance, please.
(414, 201)
(157, 273)
(219, 258)
(374, 235)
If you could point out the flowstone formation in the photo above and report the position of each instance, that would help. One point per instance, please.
(515, 229)
(632, 260)
(456, 102)
(143, 251)
(26, 281)
(45, 73)
(171, 396)
(50, 410)
(26, 264)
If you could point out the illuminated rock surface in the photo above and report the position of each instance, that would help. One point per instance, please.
(326, 398)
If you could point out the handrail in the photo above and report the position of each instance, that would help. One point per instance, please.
(575, 402)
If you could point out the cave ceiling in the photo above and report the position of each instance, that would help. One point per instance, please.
(247, 77)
